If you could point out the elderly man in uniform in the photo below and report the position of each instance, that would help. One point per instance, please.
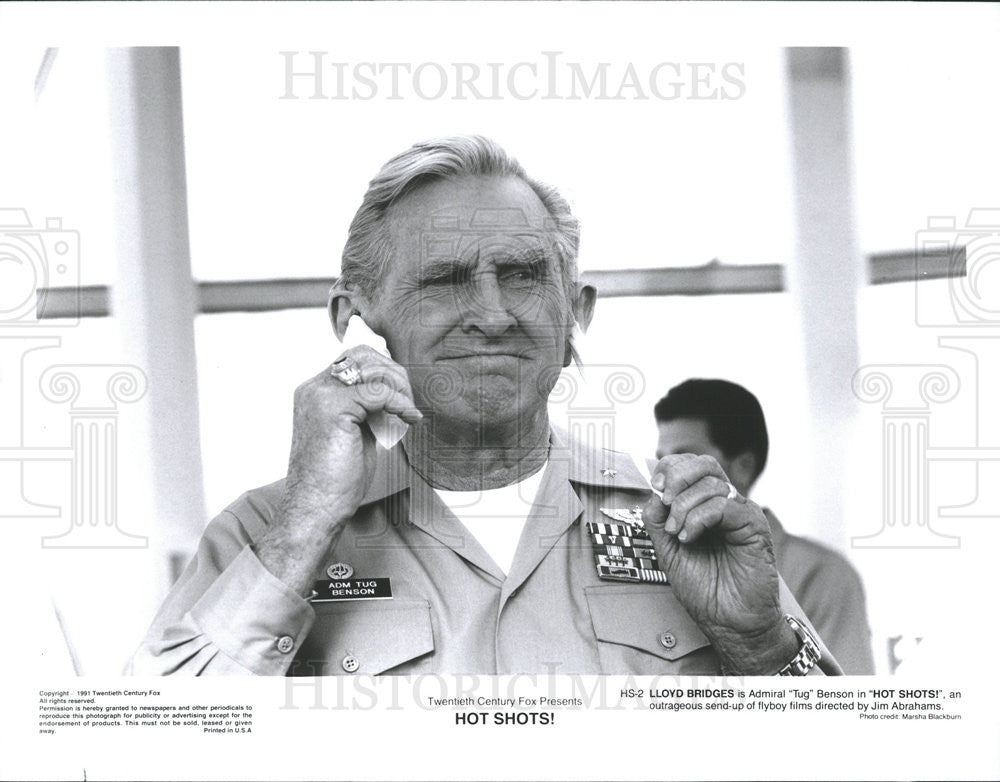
(486, 541)
(725, 421)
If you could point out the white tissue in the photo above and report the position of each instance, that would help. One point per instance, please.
(387, 428)
(645, 465)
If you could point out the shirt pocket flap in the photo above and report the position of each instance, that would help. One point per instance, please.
(650, 619)
(378, 635)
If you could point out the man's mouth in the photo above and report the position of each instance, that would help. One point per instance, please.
(483, 351)
(483, 354)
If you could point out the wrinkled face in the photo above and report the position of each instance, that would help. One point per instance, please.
(688, 435)
(473, 303)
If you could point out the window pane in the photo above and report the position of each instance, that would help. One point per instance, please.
(926, 120)
(903, 335)
(88, 495)
(56, 161)
(248, 368)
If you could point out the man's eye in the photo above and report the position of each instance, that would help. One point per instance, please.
(520, 275)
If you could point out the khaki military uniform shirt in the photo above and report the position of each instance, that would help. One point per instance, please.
(452, 609)
(830, 591)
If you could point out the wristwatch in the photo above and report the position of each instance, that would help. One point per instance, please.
(808, 655)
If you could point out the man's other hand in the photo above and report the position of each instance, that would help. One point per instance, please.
(715, 547)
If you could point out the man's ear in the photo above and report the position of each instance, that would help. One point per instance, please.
(583, 307)
(340, 307)
(583, 311)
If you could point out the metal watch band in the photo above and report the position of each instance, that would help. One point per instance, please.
(808, 655)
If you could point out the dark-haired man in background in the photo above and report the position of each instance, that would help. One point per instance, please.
(724, 420)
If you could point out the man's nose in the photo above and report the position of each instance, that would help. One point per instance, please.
(485, 308)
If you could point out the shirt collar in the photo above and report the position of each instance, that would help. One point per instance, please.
(597, 466)
(586, 464)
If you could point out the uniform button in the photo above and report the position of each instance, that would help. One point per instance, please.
(350, 663)
(668, 640)
(285, 644)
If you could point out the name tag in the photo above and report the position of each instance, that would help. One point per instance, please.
(327, 591)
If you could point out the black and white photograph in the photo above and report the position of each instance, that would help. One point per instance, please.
(416, 379)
